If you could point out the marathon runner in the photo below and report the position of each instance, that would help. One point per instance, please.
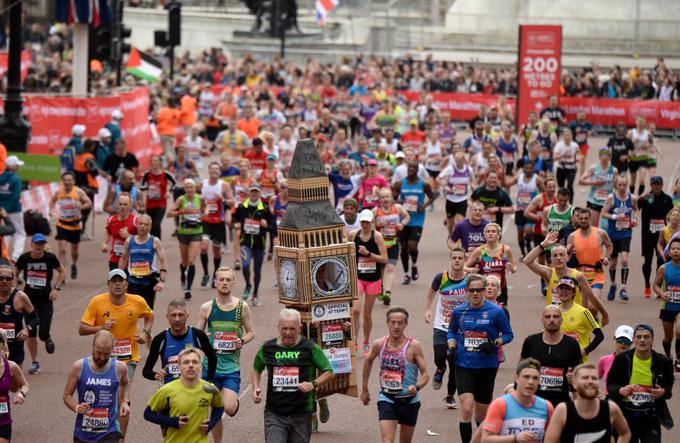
(469, 233)
(119, 227)
(578, 322)
(667, 287)
(457, 180)
(16, 308)
(240, 186)
(189, 208)
(600, 178)
(529, 184)
(401, 171)
(545, 136)
(581, 129)
(181, 406)
(587, 417)
(623, 340)
(566, 151)
(118, 313)
(655, 207)
(155, 186)
(473, 144)
(169, 343)
(390, 219)
(558, 215)
(586, 244)
(125, 184)
(228, 322)
(415, 195)
(145, 261)
(38, 267)
(670, 232)
(507, 148)
(371, 183)
(343, 183)
(270, 180)
(182, 169)
(620, 209)
(218, 199)
(640, 381)
(371, 254)
(621, 148)
(558, 354)
(253, 219)
(476, 330)
(401, 359)
(69, 201)
(103, 403)
(642, 139)
(526, 130)
(533, 154)
(496, 201)
(451, 288)
(522, 415)
(292, 362)
(350, 215)
(554, 113)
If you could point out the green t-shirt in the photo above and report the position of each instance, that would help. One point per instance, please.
(190, 222)
(287, 367)
(192, 402)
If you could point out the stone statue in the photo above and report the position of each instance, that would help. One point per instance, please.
(263, 9)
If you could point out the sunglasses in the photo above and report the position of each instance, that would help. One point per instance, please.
(476, 289)
(6, 278)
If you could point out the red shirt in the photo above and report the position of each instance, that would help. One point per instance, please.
(413, 140)
(257, 161)
(156, 187)
(113, 226)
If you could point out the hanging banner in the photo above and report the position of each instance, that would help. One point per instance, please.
(540, 59)
(25, 63)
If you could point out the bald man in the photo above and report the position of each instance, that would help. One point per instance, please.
(101, 382)
(558, 354)
(552, 274)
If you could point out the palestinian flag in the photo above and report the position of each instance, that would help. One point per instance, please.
(144, 66)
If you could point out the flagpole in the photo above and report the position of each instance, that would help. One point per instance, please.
(80, 62)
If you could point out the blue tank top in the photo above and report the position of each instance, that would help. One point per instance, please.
(412, 195)
(279, 210)
(519, 418)
(546, 152)
(671, 287)
(11, 320)
(621, 227)
(141, 261)
(133, 194)
(396, 374)
(100, 391)
(506, 151)
(172, 349)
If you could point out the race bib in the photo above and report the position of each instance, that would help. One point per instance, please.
(96, 420)
(411, 203)
(122, 349)
(140, 268)
(389, 231)
(657, 224)
(286, 378)
(118, 248)
(524, 198)
(622, 223)
(224, 342)
(601, 194)
(366, 265)
(641, 395)
(251, 226)
(371, 198)
(555, 297)
(172, 367)
(68, 209)
(507, 157)
(391, 382)
(212, 207)
(154, 192)
(551, 379)
(9, 330)
(673, 294)
(332, 333)
(36, 279)
(268, 192)
(460, 189)
(473, 340)
(581, 137)
(4, 404)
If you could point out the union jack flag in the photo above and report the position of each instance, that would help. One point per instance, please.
(94, 12)
(323, 7)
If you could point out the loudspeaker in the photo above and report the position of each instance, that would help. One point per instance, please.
(174, 24)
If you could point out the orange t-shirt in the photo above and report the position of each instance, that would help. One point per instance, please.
(3, 157)
(250, 127)
(188, 110)
(167, 120)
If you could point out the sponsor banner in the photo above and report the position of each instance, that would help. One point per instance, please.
(25, 64)
(39, 167)
(331, 311)
(540, 56)
(53, 117)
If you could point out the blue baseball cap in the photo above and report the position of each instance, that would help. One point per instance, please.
(38, 238)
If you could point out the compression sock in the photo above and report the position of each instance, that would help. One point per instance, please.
(404, 258)
(204, 263)
(612, 275)
(465, 431)
(191, 272)
(641, 189)
(246, 275)
(624, 275)
(183, 275)
(631, 188)
(667, 347)
(217, 262)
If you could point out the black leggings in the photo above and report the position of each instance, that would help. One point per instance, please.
(649, 242)
(565, 178)
(441, 356)
(157, 215)
(409, 248)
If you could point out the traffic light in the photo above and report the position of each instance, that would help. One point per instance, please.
(124, 33)
(100, 47)
(174, 23)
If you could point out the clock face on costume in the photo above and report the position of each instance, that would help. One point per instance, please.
(330, 276)
(288, 278)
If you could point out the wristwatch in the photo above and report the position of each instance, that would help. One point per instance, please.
(161, 279)
(58, 288)
(315, 384)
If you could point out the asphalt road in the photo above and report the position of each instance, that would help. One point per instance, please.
(44, 418)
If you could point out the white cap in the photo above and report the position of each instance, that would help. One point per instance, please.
(366, 215)
(624, 331)
(103, 133)
(117, 114)
(400, 154)
(78, 129)
(117, 273)
(13, 160)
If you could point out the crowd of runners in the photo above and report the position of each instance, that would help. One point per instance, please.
(222, 178)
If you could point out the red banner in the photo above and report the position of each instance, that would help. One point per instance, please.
(25, 63)
(52, 119)
(540, 55)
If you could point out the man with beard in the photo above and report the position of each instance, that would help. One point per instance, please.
(587, 418)
(558, 354)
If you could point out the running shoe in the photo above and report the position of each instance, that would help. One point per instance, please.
(324, 412)
(237, 265)
(623, 295)
(49, 345)
(86, 237)
(246, 292)
(385, 298)
(414, 273)
(648, 292)
(204, 280)
(450, 403)
(407, 280)
(367, 349)
(437, 380)
(612, 293)
(74, 272)
(187, 295)
(256, 300)
(35, 368)
(676, 365)
(270, 256)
